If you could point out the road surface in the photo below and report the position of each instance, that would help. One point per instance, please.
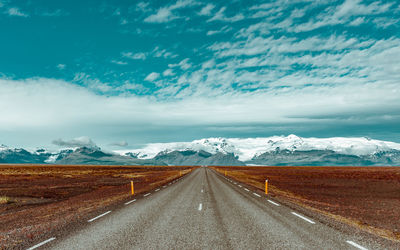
(204, 210)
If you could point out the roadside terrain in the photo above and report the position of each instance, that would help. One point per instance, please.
(38, 199)
(367, 198)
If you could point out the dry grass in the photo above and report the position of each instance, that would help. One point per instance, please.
(4, 200)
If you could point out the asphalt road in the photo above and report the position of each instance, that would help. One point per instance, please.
(204, 210)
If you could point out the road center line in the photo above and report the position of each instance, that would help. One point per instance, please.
(257, 195)
(164, 186)
(157, 189)
(240, 185)
(356, 245)
(147, 194)
(304, 218)
(200, 206)
(42, 243)
(101, 215)
(272, 202)
(129, 202)
(202, 190)
(235, 183)
(246, 189)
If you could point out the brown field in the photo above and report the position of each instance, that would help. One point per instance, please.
(363, 197)
(38, 199)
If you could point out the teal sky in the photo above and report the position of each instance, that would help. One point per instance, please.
(160, 71)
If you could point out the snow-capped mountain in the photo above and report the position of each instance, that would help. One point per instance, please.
(275, 150)
(247, 149)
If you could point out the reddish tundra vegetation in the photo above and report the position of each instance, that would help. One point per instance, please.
(35, 200)
(364, 197)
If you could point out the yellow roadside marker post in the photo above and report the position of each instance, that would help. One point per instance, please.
(266, 186)
(225, 172)
(180, 173)
(132, 189)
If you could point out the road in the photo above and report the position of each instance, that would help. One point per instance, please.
(204, 210)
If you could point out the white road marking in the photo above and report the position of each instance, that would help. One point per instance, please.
(169, 183)
(129, 202)
(101, 215)
(147, 194)
(164, 186)
(240, 185)
(42, 243)
(272, 202)
(235, 183)
(257, 195)
(200, 206)
(304, 218)
(356, 245)
(157, 189)
(246, 189)
(202, 190)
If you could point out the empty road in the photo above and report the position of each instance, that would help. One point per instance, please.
(204, 210)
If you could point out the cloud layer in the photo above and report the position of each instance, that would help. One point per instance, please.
(161, 70)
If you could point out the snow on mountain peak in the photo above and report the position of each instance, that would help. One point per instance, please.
(3, 147)
(247, 148)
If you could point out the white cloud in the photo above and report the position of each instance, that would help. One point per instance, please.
(16, 12)
(119, 62)
(135, 56)
(119, 144)
(220, 16)
(46, 103)
(152, 77)
(184, 64)
(165, 14)
(143, 7)
(82, 141)
(224, 29)
(342, 14)
(61, 66)
(206, 10)
(168, 72)
(157, 52)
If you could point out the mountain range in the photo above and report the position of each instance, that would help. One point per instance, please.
(276, 150)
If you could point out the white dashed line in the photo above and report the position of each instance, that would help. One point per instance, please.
(101, 215)
(235, 183)
(246, 189)
(200, 206)
(41, 243)
(240, 185)
(157, 189)
(164, 186)
(147, 194)
(356, 245)
(272, 202)
(202, 190)
(304, 218)
(129, 202)
(257, 195)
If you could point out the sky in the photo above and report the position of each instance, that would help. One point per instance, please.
(125, 73)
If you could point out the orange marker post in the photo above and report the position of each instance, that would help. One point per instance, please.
(225, 172)
(132, 189)
(180, 173)
(266, 186)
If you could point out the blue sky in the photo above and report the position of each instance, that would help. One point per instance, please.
(159, 71)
